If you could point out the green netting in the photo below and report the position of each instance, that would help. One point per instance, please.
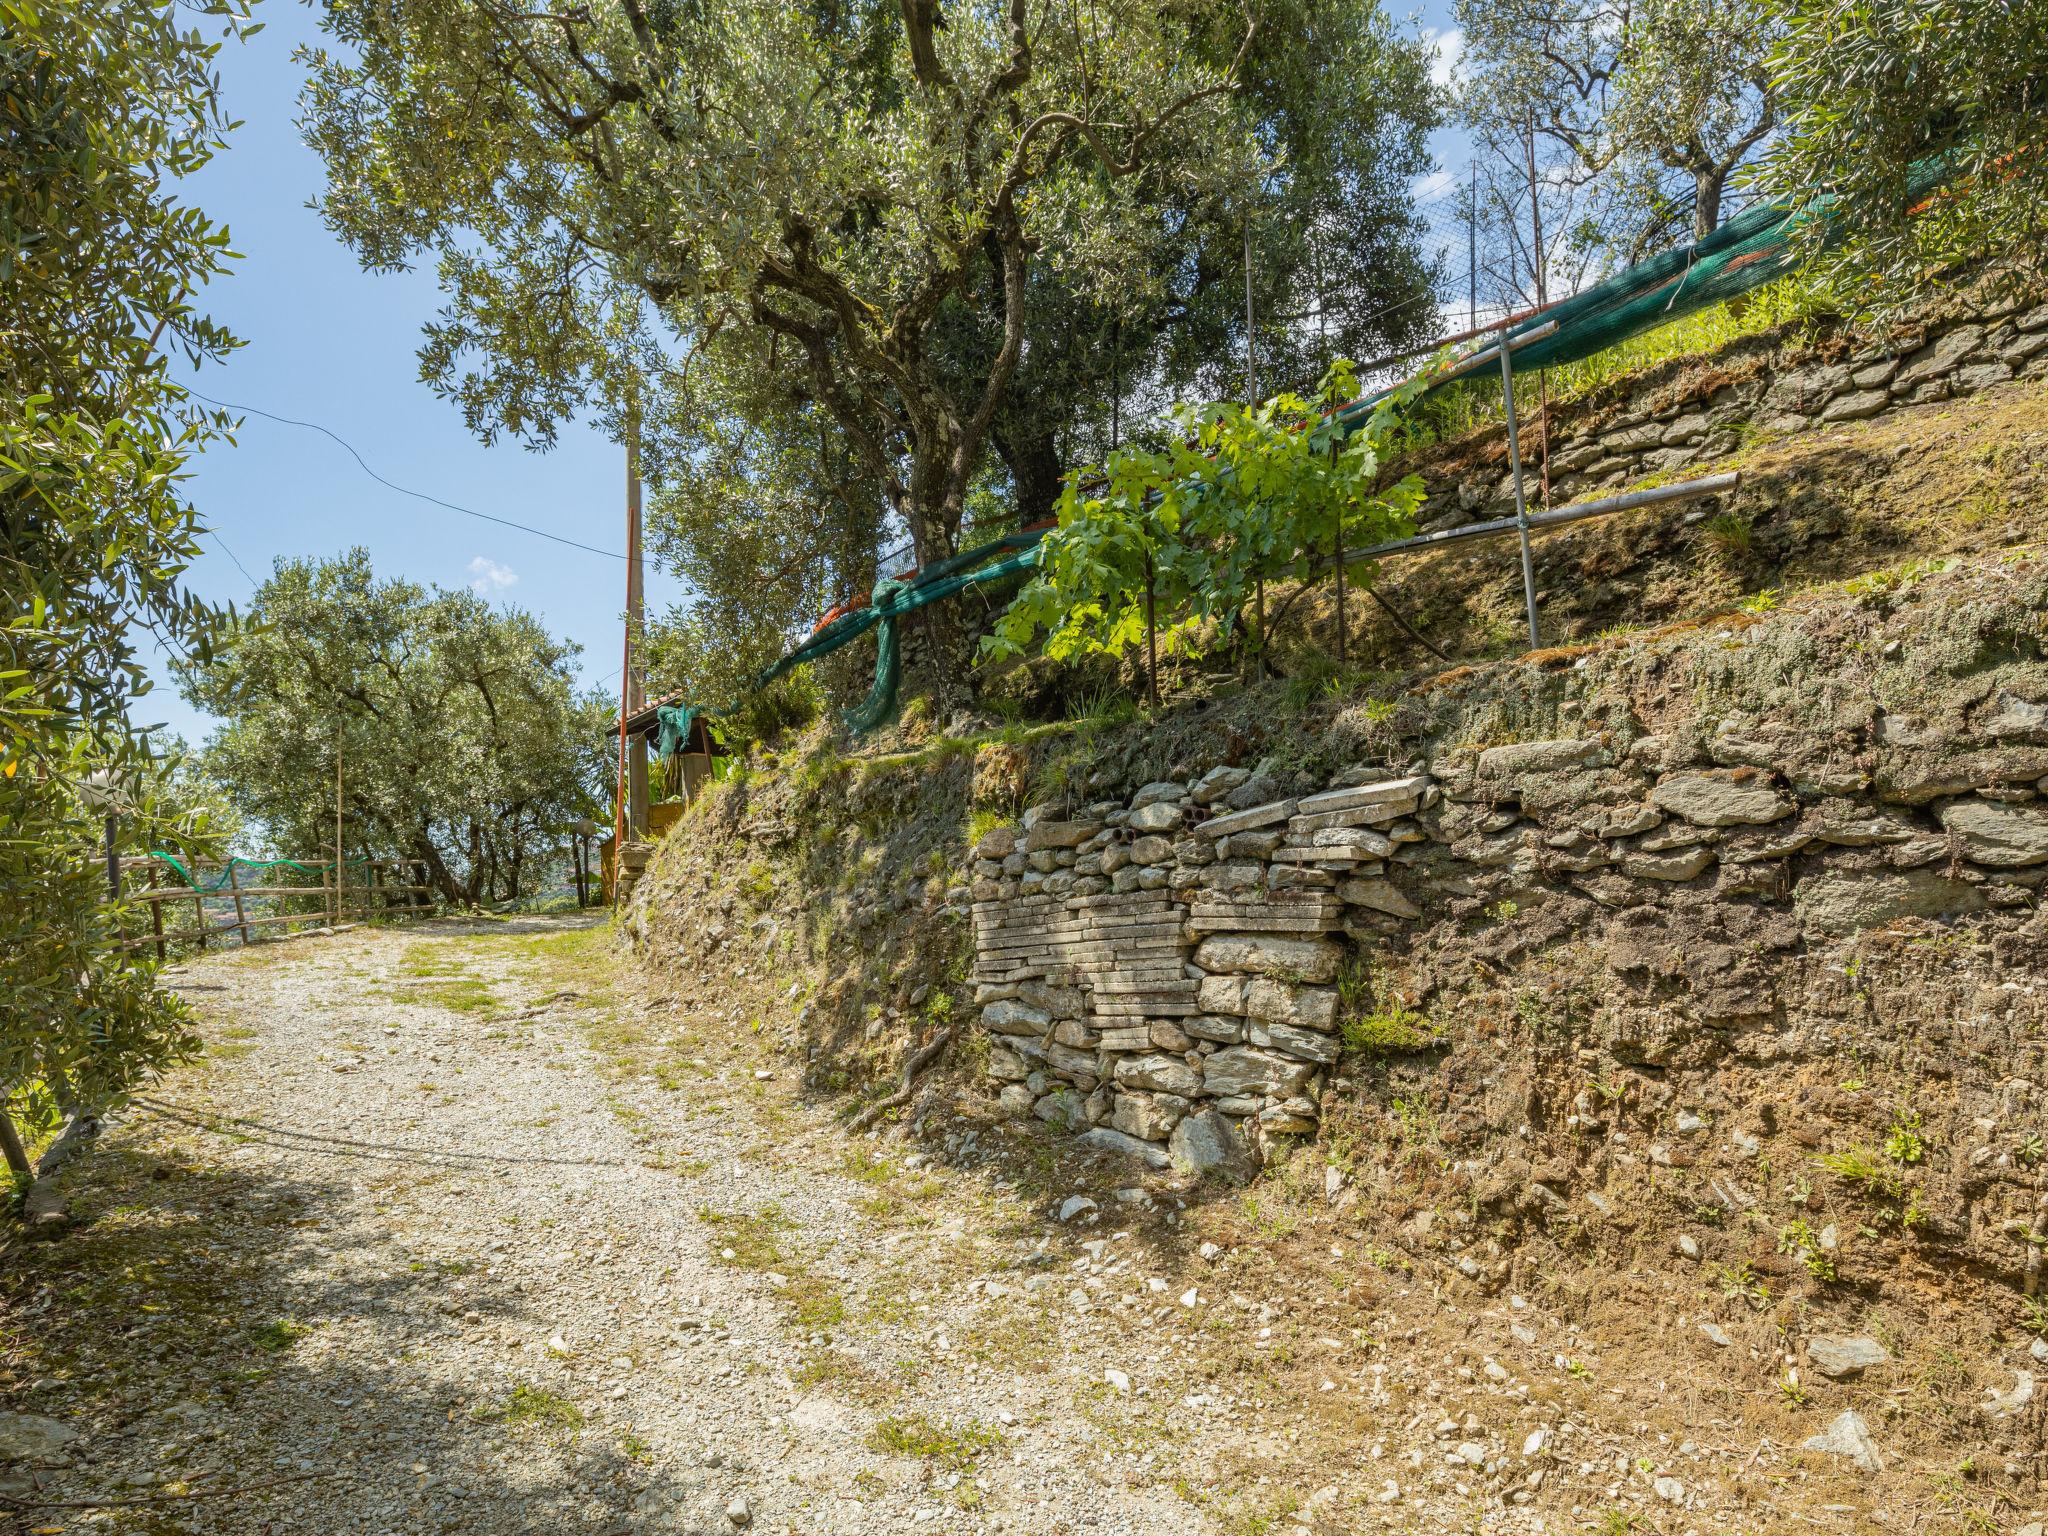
(885, 606)
(1748, 251)
(227, 870)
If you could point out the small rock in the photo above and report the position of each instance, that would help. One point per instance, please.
(1716, 1334)
(1117, 1379)
(1688, 1245)
(1076, 1205)
(1850, 1438)
(1836, 1356)
(1670, 1490)
(739, 1512)
(1538, 1439)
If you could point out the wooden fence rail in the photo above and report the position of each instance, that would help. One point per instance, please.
(390, 888)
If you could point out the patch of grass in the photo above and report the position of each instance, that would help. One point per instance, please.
(457, 994)
(1394, 1031)
(1730, 533)
(278, 1335)
(955, 1446)
(1797, 1240)
(532, 1407)
(746, 1239)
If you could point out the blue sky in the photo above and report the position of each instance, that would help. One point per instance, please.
(332, 344)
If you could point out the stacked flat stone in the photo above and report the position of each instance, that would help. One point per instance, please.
(1161, 974)
(1663, 432)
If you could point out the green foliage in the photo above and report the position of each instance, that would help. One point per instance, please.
(528, 1406)
(1869, 90)
(956, 1446)
(1645, 110)
(1239, 496)
(1799, 1241)
(1903, 1143)
(463, 744)
(1391, 1031)
(839, 260)
(103, 109)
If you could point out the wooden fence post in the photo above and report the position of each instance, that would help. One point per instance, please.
(156, 915)
(241, 912)
(199, 915)
(327, 892)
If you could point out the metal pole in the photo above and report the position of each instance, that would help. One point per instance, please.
(337, 823)
(1472, 245)
(1251, 351)
(1507, 384)
(636, 674)
(1251, 400)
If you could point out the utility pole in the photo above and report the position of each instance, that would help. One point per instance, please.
(636, 675)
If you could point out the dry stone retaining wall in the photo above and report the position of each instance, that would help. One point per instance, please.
(1171, 976)
(1659, 431)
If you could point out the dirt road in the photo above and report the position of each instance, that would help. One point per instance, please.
(421, 1235)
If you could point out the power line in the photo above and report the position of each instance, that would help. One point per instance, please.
(223, 543)
(314, 426)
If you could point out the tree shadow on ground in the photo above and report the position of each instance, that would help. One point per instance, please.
(203, 1330)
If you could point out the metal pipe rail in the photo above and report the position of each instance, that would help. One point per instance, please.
(1604, 506)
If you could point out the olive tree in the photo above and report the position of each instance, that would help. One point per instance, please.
(1878, 98)
(461, 740)
(103, 108)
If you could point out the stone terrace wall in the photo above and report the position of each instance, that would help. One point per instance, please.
(1171, 976)
(1661, 430)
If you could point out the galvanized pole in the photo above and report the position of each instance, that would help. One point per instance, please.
(1507, 384)
(1472, 247)
(1251, 402)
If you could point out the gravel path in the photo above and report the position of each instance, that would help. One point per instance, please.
(429, 1240)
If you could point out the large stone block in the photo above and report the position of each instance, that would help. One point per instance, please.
(1842, 902)
(1721, 800)
(1208, 1144)
(2005, 836)
(1505, 762)
(1049, 835)
(1264, 955)
(1247, 1070)
(1282, 1002)
(1386, 792)
(1147, 1116)
(1304, 1043)
(1011, 1017)
(1160, 1073)
(1377, 896)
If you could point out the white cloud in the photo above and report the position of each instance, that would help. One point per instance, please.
(491, 576)
(1449, 44)
(1437, 184)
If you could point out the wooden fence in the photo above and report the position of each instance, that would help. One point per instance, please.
(389, 888)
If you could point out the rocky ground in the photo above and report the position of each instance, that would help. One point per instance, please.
(462, 1229)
